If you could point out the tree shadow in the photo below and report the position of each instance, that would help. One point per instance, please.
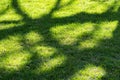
(76, 58)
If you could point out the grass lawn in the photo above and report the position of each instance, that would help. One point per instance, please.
(59, 40)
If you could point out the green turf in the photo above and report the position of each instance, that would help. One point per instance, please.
(59, 40)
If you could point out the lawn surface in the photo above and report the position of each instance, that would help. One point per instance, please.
(59, 40)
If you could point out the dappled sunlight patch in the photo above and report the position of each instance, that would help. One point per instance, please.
(88, 44)
(105, 31)
(44, 51)
(2, 49)
(65, 3)
(33, 37)
(90, 72)
(14, 60)
(96, 6)
(117, 5)
(10, 44)
(4, 5)
(51, 64)
(78, 6)
(10, 15)
(10, 25)
(36, 8)
(68, 10)
(67, 34)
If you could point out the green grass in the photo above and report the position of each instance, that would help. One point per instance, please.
(59, 40)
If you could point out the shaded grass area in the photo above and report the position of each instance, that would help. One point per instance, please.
(55, 46)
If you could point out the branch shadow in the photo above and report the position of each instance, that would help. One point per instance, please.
(76, 58)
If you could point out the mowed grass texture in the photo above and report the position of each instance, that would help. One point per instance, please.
(59, 40)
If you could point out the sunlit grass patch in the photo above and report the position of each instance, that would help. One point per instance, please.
(44, 51)
(88, 44)
(89, 73)
(89, 32)
(67, 34)
(51, 64)
(10, 15)
(96, 6)
(105, 31)
(78, 6)
(14, 60)
(10, 25)
(4, 4)
(10, 44)
(36, 8)
(33, 37)
(12, 55)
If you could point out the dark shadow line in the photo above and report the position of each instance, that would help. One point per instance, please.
(19, 11)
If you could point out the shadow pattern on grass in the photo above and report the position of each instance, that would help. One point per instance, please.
(102, 55)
